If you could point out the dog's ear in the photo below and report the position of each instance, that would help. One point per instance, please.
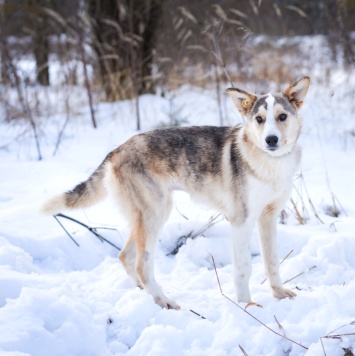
(242, 100)
(297, 91)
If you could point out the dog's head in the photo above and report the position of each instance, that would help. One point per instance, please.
(272, 123)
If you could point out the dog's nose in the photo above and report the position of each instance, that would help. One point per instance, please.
(272, 140)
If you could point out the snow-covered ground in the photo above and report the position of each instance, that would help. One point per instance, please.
(60, 299)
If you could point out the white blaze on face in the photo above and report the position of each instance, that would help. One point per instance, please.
(270, 127)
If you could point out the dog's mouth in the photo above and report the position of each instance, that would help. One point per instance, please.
(272, 148)
(274, 151)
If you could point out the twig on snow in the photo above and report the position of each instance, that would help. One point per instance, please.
(251, 315)
(93, 230)
(244, 353)
(70, 236)
(340, 327)
(280, 326)
(192, 235)
(336, 336)
(201, 316)
(300, 274)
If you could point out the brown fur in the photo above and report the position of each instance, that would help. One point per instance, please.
(269, 209)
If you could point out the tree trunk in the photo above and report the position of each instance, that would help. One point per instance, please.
(149, 38)
(41, 53)
(124, 34)
(40, 28)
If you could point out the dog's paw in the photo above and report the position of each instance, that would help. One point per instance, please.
(281, 293)
(166, 303)
(139, 284)
(253, 304)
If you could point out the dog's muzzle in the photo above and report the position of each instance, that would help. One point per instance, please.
(272, 142)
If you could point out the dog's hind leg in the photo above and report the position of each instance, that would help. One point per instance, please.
(147, 228)
(128, 258)
(268, 240)
(146, 201)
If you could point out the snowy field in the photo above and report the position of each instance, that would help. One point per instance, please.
(60, 299)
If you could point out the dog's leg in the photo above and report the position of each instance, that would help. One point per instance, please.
(147, 203)
(148, 227)
(128, 258)
(268, 239)
(242, 260)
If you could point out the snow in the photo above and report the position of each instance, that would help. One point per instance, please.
(60, 299)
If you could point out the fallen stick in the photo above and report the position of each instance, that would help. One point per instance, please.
(201, 316)
(244, 353)
(300, 274)
(192, 235)
(91, 229)
(336, 336)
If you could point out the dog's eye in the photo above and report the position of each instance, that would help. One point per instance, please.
(259, 119)
(282, 117)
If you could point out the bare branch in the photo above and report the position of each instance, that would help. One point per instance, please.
(300, 274)
(202, 317)
(93, 230)
(244, 353)
(192, 235)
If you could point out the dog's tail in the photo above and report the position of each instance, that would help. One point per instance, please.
(83, 195)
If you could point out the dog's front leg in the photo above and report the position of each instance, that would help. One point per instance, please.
(268, 240)
(242, 260)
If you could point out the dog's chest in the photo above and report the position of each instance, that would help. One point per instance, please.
(261, 193)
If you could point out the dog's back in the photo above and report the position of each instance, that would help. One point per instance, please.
(187, 158)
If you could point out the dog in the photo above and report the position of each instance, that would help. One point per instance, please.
(245, 172)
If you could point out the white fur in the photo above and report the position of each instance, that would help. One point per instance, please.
(54, 205)
(272, 189)
(270, 127)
